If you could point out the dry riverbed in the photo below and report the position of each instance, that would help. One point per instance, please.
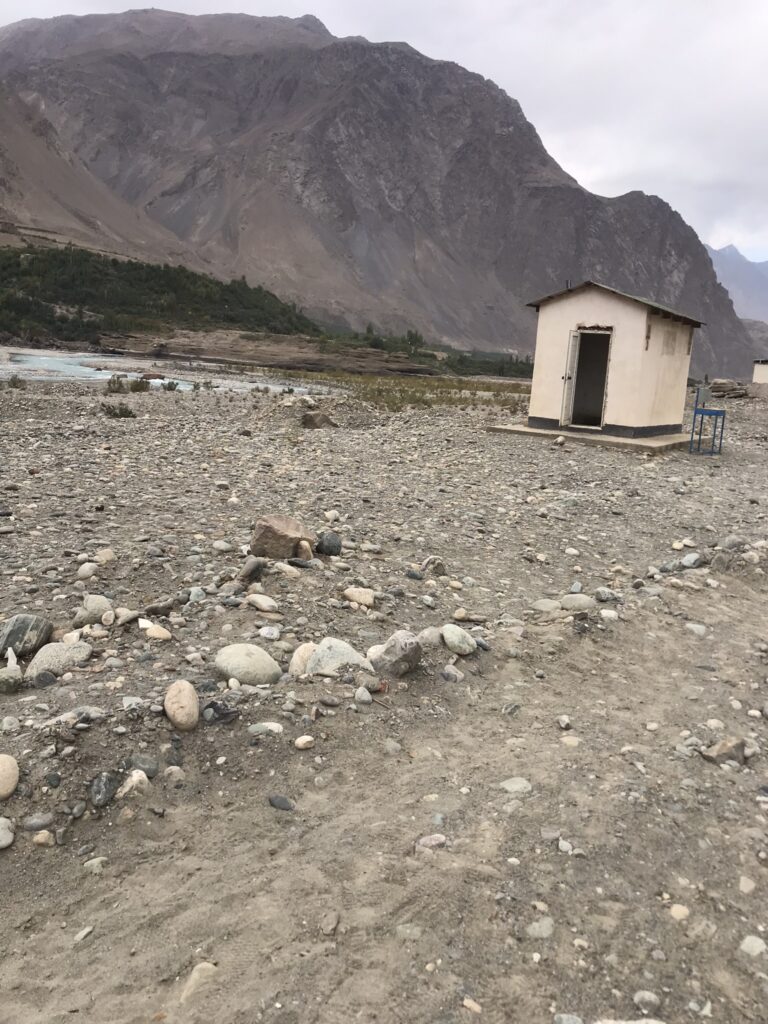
(551, 812)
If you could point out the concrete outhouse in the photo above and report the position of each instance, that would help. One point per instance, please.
(760, 371)
(611, 363)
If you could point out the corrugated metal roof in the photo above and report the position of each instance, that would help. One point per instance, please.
(624, 295)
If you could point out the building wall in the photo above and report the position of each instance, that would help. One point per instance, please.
(760, 373)
(665, 369)
(645, 388)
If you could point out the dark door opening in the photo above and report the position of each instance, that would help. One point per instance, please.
(591, 374)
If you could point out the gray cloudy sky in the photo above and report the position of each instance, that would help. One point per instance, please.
(666, 96)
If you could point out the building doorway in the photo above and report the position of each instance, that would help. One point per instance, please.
(588, 378)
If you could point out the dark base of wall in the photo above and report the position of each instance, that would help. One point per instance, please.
(613, 429)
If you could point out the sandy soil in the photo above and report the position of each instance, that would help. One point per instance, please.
(624, 880)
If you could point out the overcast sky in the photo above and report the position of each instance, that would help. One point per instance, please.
(666, 96)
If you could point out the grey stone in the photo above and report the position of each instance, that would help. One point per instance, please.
(26, 634)
(247, 663)
(577, 602)
(697, 629)
(692, 560)
(328, 543)
(59, 658)
(541, 928)
(103, 788)
(363, 696)
(7, 833)
(146, 763)
(516, 785)
(94, 606)
(37, 822)
(253, 569)
(11, 679)
(546, 605)
(458, 640)
(398, 656)
(605, 595)
(281, 803)
(333, 655)
(646, 1001)
(567, 1018)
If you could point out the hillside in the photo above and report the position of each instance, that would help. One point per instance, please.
(73, 294)
(364, 181)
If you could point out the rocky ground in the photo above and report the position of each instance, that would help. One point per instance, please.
(554, 810)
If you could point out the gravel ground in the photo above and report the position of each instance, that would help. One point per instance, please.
(566, 824)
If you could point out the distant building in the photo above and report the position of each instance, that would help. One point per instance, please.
(760, 371)
(610, 362)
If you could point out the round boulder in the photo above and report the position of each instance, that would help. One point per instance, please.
(182, 706)
(458, 640)
(9, 776)
(59, 658)
(248, 664)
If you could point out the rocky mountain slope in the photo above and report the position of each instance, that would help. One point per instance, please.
(746, 281)
(363, 180)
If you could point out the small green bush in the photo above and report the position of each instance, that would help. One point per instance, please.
(139, 385)
(170, 385)
(115, 385)
(15, 381)
(118, 412)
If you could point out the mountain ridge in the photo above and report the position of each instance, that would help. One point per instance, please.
(363, 180)
(745, 279)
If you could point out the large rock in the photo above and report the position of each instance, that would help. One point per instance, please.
(399, 655)
(249, 664)
(9, 776)
(458, 640)
(181, 705)
(332, 656)
(25, 634)
(279, 537)
(59, 658)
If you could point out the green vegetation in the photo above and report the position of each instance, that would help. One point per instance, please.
(17, 382)
(118, 412)
(75, 295)
(395, 393)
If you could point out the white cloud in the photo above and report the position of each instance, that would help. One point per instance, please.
(669, 98)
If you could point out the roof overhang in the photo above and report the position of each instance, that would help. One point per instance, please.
(654, 307)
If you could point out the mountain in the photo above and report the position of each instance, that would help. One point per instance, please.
(45, 191)
(364, 181)
(747, 282)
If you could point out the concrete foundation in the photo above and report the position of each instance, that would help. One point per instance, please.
(658, 443)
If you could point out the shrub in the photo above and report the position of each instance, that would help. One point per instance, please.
(170, 385)
(138, 385)
(15, 381)
(115, 385)
(118, 412)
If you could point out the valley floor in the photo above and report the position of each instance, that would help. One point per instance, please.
(616, 875)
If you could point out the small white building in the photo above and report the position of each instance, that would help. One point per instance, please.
(760, 371)
(609, 362)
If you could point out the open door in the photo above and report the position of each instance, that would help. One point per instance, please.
(569, 379)
(590, 379)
